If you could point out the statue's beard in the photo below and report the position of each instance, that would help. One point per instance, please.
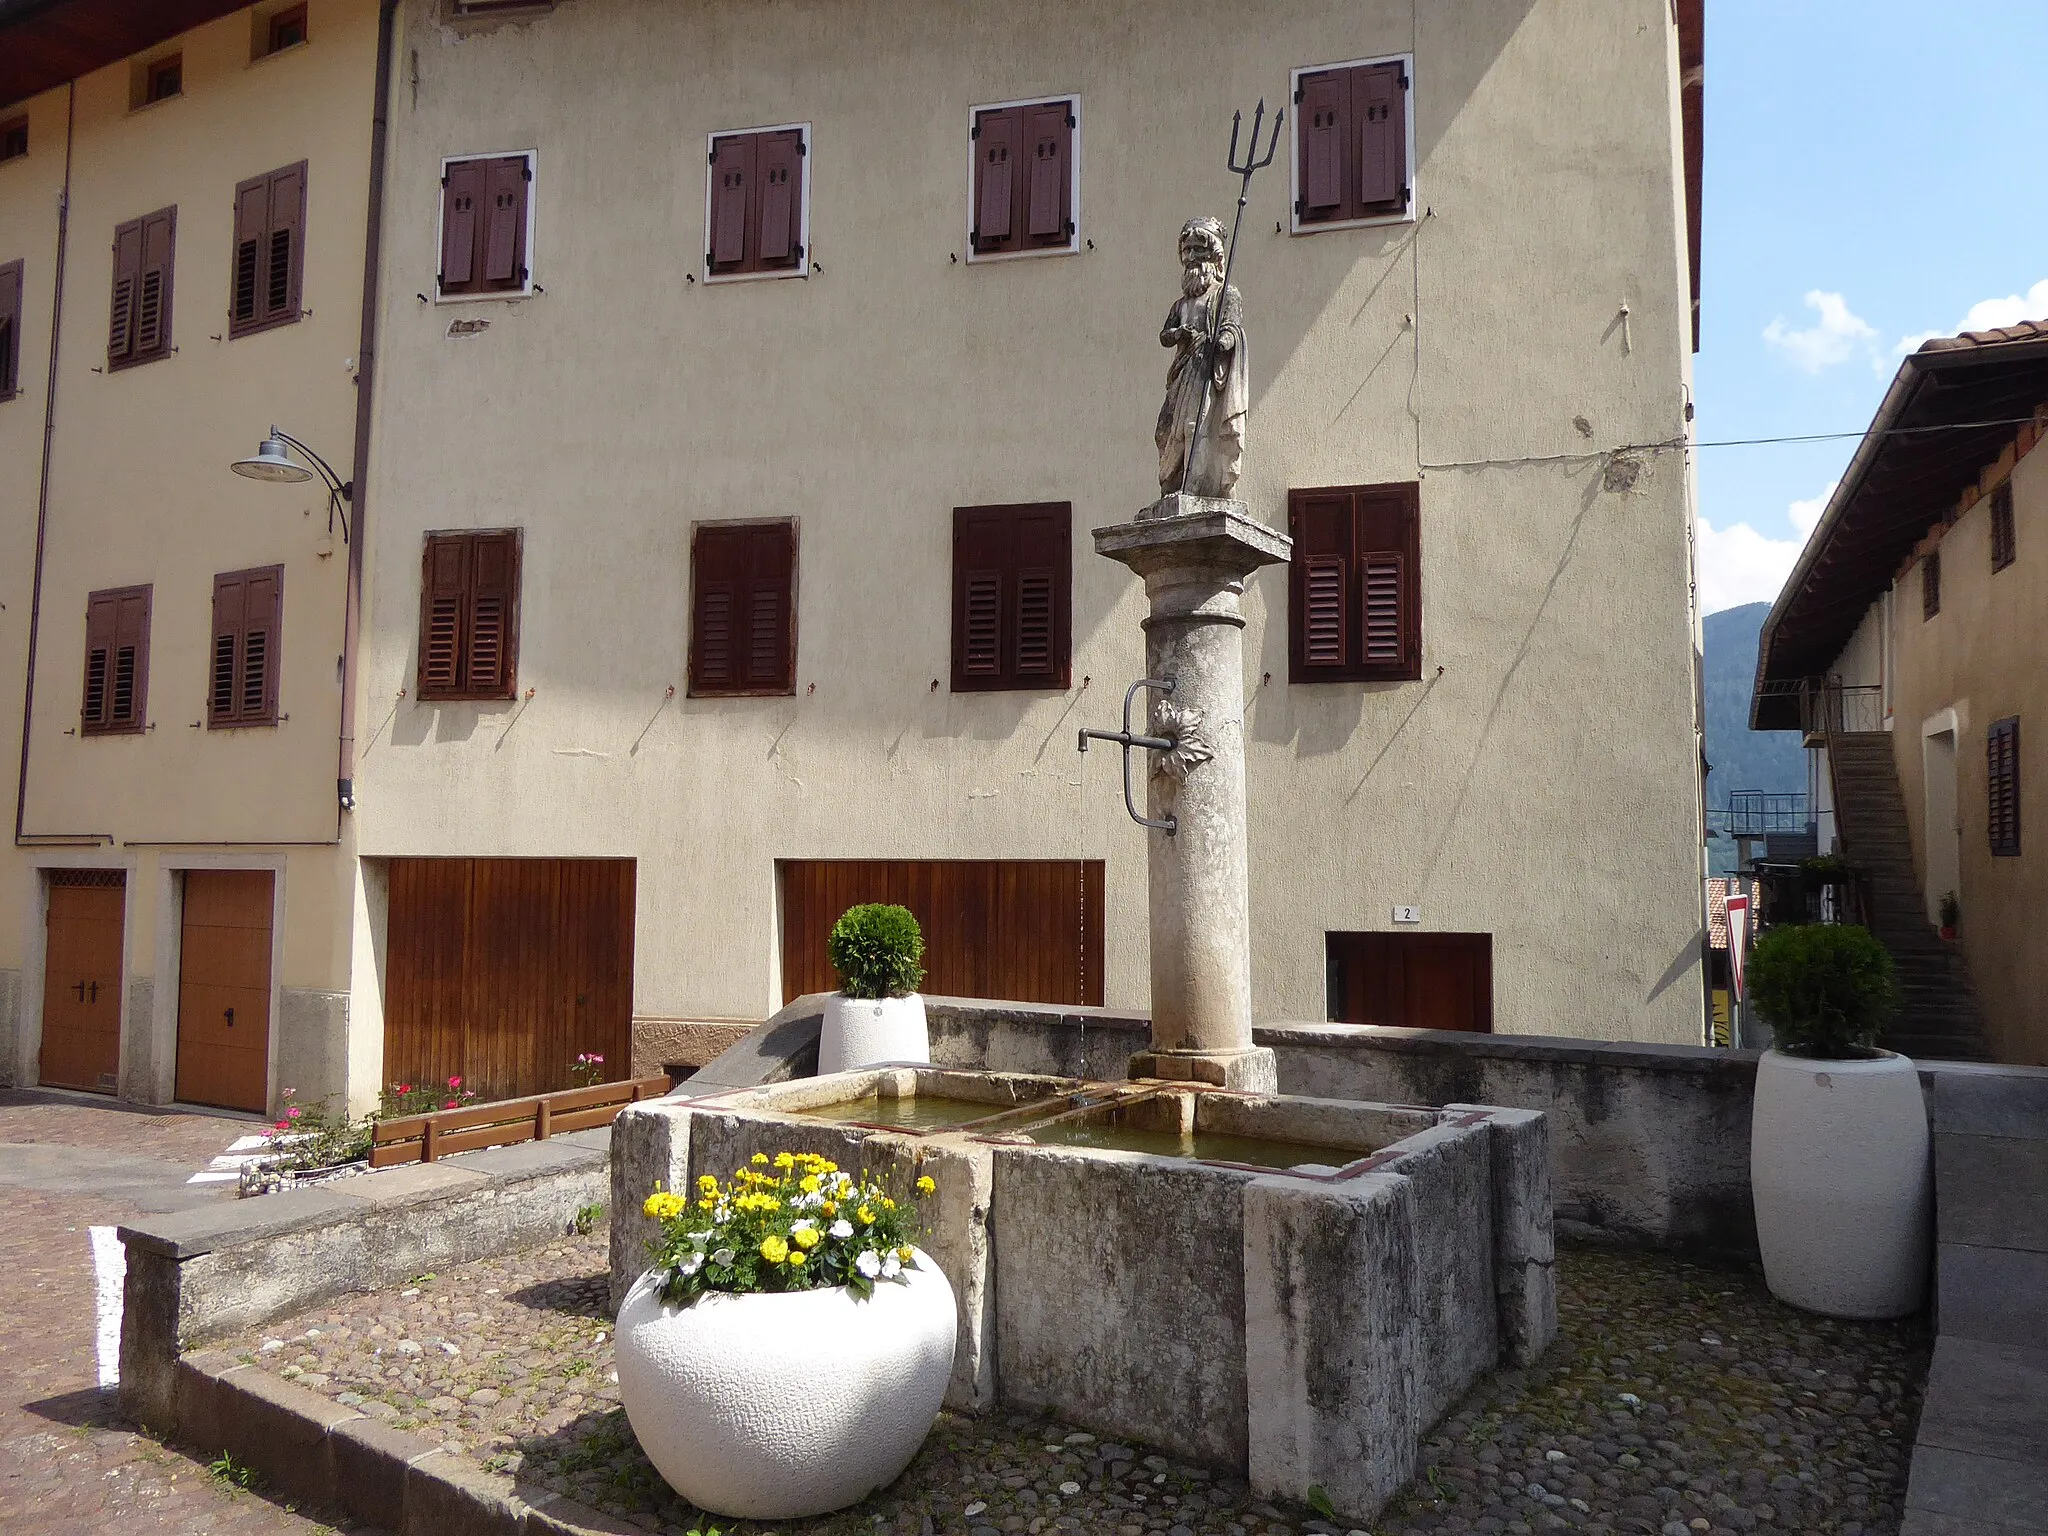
(1196, 280)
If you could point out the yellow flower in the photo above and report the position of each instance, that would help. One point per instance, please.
(707, 1183)
(785, 1160)
(810, 1184)
(807, 1238)
(760, 1159)
(925, 1185)
(663, 1206)
(774, 1249)
(905, 1253)
(796, 1259)
(867, 1217)
(888, 1204)
(830, 1207)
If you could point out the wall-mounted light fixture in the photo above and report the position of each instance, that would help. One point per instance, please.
(273, 462)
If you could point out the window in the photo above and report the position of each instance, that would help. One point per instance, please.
(1353, 138)
(469, 615)
(140, 327)
(2003, 549)
(1354, 597)
(757, 203)
(116, 662)
(10, 329)
(13, 138)
(286, 29)
(163, 79)
(486, 226)
(2002, 749)
(241, 686)
(1012, 597)
(743, 609)
(1930, 585)
(270, 217)
(1025, 178)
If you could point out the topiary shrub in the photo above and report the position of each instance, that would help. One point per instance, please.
(1826, 989)
(877, 950)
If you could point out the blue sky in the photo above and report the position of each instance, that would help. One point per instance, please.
(1875, 171)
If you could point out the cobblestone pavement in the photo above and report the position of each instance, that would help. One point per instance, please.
(66, 1464)
(1679, 1400)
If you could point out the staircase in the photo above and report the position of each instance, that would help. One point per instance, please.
(1938, 1016)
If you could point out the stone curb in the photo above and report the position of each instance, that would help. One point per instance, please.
(309, 1448)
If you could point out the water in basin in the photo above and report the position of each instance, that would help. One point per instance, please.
(1206, 1146)
(916, 1112)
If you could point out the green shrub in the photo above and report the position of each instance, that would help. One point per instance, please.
(1826, 989)
(877, 951)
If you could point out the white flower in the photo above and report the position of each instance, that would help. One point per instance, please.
(723, 1256)
(891, 1267)
(842, 1229)
(691, 1265)
(869, 1263)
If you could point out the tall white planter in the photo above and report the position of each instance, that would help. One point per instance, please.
(860, 1031)
(773, 1407)
(1839, 1170)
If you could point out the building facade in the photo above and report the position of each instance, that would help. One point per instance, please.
(752, 375)
(1915, 619)
(184, 193)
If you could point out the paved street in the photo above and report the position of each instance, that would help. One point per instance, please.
(68, 1164)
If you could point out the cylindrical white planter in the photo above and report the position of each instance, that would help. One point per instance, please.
(860, 1031)
(772, 1407)
(1839, 1170)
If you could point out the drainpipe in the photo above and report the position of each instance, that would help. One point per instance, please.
(366, 367)
(25, 839)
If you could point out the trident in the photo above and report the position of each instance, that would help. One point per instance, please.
(1253, 162)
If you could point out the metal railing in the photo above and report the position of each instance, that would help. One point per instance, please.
(1755, 812)
(1830, 707)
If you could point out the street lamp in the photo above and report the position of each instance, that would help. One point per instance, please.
(273, 462)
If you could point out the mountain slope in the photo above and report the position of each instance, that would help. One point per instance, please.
(1742, 758)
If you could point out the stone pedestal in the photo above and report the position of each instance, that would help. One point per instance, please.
(1194, 553)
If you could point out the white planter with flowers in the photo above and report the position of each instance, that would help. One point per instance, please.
(876, 1015)
(789, 1350)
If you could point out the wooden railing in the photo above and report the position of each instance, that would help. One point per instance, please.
(424, 1138)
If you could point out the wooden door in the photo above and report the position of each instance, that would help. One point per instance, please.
(224, 989)
(1024, 930)
(1417, 980)
(502, 971)
(82, 944)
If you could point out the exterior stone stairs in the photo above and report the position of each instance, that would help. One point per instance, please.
(1938, 1015)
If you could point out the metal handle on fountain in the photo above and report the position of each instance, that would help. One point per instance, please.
(1123, 738)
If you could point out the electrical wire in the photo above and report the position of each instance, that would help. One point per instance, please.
(1678, 444)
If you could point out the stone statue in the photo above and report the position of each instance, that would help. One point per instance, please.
(1208, 359)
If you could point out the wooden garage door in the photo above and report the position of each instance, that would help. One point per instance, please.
(1418, 980)
(224, 989)
(502, 971)
(82, 980)
(1026, 930)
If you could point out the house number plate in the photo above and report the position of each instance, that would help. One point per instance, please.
(1407, 914)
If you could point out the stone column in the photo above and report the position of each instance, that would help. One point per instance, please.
(1194, 553)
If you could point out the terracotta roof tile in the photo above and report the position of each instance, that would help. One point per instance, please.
(2026, 330)
(1717, 911)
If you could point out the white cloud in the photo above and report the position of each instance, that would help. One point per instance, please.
(1738, 565)
(1836, 337)
(1988, 315)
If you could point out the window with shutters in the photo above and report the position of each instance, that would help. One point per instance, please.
(284, 29)
(115, 700)
(10, 329)
(1012, 597)
(270, 220)
(486, 226)
(241, 679)
(757, 203)
(743, 609)
(1354, 136)
(1930, 584)
(1354, 601)
(139, 325)
(469, 615)
(2002, 750)
(1025, 187)
(13, 138)
(2004, 548)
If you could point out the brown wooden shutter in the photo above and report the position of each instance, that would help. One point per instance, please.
(717, 555)
(1012, 596)
(462, 191)
(1050, 138)
(252, 231)
(732, 177)
(2002, 749)
(153, 289)
(1040, 560)
(770, 634)
(981, 559)
(256, 687)
(1321, 600)
(1322, 109)
(116, 660)
(1379, 109)
(998, 136)
(284, 254)
(505, 222)
(127, 277)
(781, 177)
(1354, 588)
(100, 612)
(743, 609)
(1390, 604)
(10, 329)
(2004, 546)
(444, 590)
(493, 616)
(1930, 584)
(222, 695)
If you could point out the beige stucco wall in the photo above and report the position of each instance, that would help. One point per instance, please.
(1541, 783)
(140, 492)
(1985, 657)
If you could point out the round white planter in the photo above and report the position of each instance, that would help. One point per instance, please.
(860, 1031)
(772, 1407)
(1839, 1169)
